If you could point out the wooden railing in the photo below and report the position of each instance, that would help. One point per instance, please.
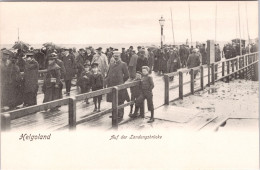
(7, 117)
(239, 66)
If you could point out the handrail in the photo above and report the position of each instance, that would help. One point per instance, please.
(15, 114)
(212, 73)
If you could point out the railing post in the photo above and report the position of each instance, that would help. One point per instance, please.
(72, 113)
(201, 77)
(209, 74)
(192, 81)
(255, 78)
(213, 73)
(115, 108)
(246, 77)
(236, 68)
(5, 122)
(244, 65)
(240, 66)
(232, 66)
(223, 69)
(180, 85)
(166, 89)
(228, 70)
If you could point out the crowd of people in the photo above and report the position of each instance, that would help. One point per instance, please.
(95, 70)
(233, 50)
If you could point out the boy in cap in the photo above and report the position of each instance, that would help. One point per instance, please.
(147, 86)
(135, 92)
(96, 84)
(84, 80)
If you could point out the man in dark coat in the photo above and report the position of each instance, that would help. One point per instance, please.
(14, 84)
(234, 51)
(173, 63)
(70, 65)
(30, 80)
(139, 49)
(5, 61)
(150, 60)
(20, 63)
(164, 59)
(62, 67)
(141, 61)
(124, 56)
(191, 49)
(40, 58)
(193, 61)
(118, 74)
(109, 54)
(182, 54)
(80, 60)
(52, 86)
(89, 54)
(203, 53)
(132, 64)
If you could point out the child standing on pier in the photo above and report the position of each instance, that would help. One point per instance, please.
(84, 80)
(147, 86)
(96, 84)
(135, 92)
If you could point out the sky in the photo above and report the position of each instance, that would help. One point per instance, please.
(124, 22)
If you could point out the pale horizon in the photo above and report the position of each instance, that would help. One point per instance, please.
(124, 22)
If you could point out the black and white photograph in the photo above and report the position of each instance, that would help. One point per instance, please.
(129, 85)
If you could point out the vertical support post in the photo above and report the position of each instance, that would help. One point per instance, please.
(251, 71)
(209, 74)
(244, 65)
(72, 113)
(210, 51)
(210, 56)
(240, 66)
(213, 73)
(192, 81)
(256, 78)
(236, 68)
(5, 122)
(223, 69)
(228, 71)
(114, 108)
(166, 89)
(201, 77)
(180, 85)
(246, 77)
(232, 66)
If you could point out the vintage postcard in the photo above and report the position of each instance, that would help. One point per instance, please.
(129, 85)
